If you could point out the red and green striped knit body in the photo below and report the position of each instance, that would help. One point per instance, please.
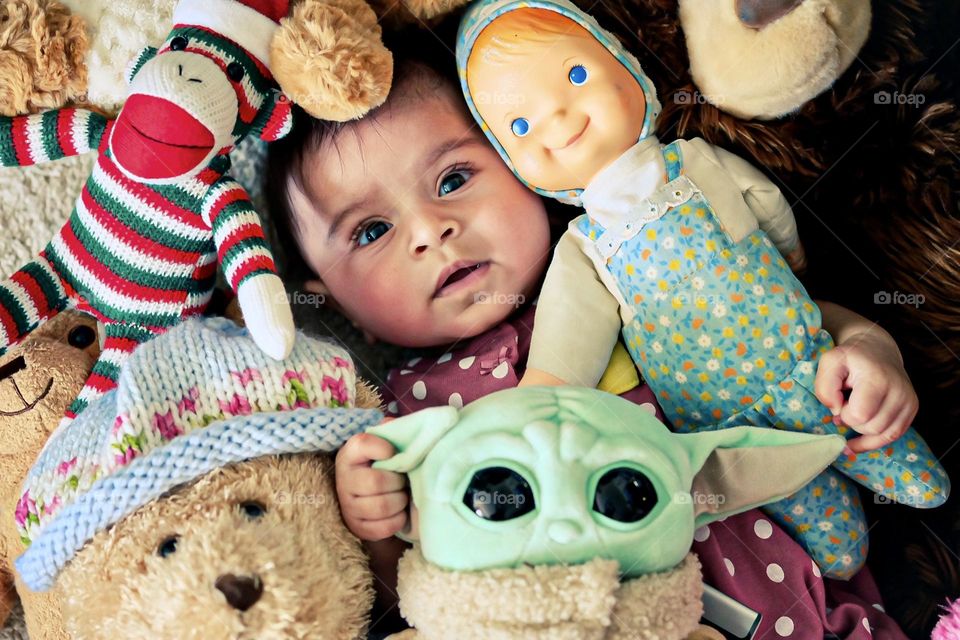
(139, 255)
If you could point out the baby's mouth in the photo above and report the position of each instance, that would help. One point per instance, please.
(458, 276)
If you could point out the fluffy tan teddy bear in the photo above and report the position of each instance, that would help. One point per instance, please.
(197, 500)
(38, 380)
(42, 56)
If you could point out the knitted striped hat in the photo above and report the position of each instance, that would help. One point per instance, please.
(249, 23)
(196, 398)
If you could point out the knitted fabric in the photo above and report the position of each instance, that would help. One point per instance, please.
(141, 256)
(196, 398)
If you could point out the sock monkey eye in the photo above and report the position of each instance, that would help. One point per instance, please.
(235, 71)
(178, 44)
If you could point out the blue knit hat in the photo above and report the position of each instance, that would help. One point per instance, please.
(196, 398)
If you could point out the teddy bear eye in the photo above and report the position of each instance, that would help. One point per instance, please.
(168, 547)
(253, 510)
(81, 337)
(235, 71)
(178, 44)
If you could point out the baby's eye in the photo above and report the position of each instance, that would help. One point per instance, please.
(578, 75)
(520, 127)
(371, 231)
(453, 181)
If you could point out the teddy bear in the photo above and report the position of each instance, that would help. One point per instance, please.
(42, 56)
(567, 512)
(204, 481)
(38, 380)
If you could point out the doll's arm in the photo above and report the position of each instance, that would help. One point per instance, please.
(48, 136)
(577, 321)
(248, 266)
(765, 201)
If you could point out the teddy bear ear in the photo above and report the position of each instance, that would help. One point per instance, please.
(137, 63)
(329, 59)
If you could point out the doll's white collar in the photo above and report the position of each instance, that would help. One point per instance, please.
(626, 182)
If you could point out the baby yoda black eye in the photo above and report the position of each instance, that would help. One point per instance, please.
(625, 495)
(81, 336)
(235, 71)
(178, 44)
(498, 493)
(253, 510)
(168, 547)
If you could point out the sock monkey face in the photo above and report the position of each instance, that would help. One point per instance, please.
(194, 98)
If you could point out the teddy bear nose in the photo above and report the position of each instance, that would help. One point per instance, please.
(241, 592)
(757, 14)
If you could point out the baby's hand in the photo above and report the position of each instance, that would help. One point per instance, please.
(797, 259)
(882, 403)
(372, 502)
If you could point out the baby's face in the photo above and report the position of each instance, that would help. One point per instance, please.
(562, 110)
(417, 228)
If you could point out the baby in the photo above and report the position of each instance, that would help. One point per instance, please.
(678, 250)
(414, 227)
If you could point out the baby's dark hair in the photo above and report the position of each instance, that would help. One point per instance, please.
(424, 64)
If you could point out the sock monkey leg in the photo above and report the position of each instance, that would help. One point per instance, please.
(28, 298)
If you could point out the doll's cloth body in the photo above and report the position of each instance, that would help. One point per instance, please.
(138, 257)
(721, 328)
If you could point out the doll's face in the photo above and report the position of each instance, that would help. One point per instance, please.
(563, 107)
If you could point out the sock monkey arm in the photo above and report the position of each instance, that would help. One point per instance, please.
(51, 135)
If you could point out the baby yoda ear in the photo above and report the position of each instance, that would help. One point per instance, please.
(745, 467)
(137, 63)
(413, 436)
(275, 119)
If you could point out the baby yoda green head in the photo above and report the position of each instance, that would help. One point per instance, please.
(550, 475)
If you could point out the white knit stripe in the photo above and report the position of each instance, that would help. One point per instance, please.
(130, 254)
(38, 154)
(78, 131)
(152, 214)
(87, 282)
(238, 261)
(22, 296)
(236, 221)
(254, 97)
(246, 26)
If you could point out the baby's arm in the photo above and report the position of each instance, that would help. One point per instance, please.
(765, 201)
(867, 363)
(577, 322)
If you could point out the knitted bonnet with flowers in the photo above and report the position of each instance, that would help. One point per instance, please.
(159, 212)
(196, 398)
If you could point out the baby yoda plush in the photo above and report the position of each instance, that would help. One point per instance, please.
(159, 211)
(568, 512)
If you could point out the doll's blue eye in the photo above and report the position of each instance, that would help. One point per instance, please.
(498, 494)
(578, 75)
(520, 127)
(370, 232)
(625, 495)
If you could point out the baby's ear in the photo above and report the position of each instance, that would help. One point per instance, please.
(413, 436)
(745, 467)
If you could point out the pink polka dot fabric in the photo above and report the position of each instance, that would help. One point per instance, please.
(747, 556)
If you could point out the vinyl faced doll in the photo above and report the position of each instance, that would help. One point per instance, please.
(680, 249)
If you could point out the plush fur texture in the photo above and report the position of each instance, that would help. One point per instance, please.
(32, 400)
(314, 573)
(550, 602)
(42, 56)
(768, 72)
(329, 58)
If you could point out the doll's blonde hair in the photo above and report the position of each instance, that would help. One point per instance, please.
(510, 34)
